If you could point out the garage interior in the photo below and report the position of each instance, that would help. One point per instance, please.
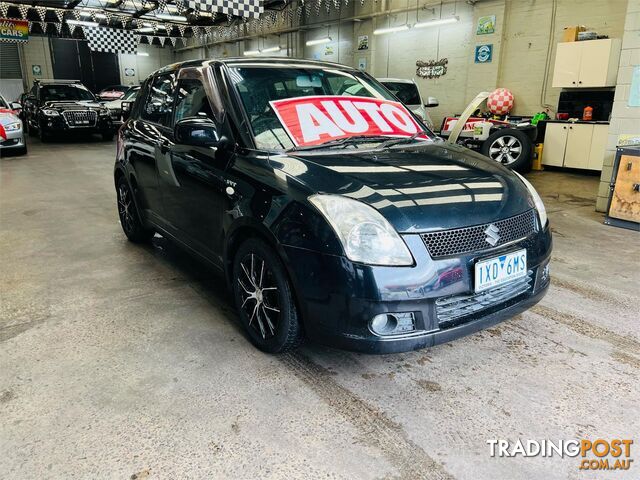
(127, 361)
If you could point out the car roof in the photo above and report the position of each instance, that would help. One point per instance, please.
(395, 80)
(274, 62)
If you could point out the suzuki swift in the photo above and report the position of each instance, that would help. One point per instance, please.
(332, 211)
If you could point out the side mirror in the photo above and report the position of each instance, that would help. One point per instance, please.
(432, 102)
(126, 110)
(199, 132)
(16, 106)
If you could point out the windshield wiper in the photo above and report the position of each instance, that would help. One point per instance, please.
(400, 141)
(341, 142)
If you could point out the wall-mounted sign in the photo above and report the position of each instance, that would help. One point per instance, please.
(363, 42)
(129, 72)
(432, 68)
(484, 53)
(362, 63)
(486, 25)
(634, 89)
(14, 30)
(36, 70)
(328, 50)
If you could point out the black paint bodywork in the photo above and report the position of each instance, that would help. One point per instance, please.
(210, 200)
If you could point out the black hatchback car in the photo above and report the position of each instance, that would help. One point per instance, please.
(54, 109)
(331, 210)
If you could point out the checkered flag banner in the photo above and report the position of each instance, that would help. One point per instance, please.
(4, 8)
(110, 40)
(238, 8)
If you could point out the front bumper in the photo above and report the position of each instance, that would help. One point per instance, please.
(15, 139)
(338, 298)
(56, 125)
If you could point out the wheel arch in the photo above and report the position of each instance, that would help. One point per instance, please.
(241, 231)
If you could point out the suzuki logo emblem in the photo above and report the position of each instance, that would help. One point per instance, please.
(492, 235)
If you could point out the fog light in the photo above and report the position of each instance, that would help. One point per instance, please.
(392, 323)
(545, 273)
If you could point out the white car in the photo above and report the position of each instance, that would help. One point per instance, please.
(408, 93)
(11, 131)
(115, 106)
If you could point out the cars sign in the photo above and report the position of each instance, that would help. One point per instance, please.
(317, 119)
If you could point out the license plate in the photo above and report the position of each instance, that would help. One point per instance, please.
(500, 270)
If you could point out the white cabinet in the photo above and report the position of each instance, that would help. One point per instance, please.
(579, 145)
(590, 63)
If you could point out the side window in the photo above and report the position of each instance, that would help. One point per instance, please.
(191, 100)
(157, 108)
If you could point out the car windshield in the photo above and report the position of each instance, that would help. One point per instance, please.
(115, 88)
(407, 93)
(131, 94)
(56, 93)
(261, 87)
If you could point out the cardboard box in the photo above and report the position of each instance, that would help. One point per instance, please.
(570, 34)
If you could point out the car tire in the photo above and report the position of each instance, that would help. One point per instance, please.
(130, 219)
(509, 147)
(264, 298)
(23, 151)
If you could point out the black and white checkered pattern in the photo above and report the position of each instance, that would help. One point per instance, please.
(110, 40)
(238, 8)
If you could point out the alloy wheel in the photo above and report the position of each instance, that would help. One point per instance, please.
(259, 295)
(125, 208)
(506, 149)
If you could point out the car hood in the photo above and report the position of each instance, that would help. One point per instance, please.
(8, 116)
(71, 105)
(432, 187)
(113, 104)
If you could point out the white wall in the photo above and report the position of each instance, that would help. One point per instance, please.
(35, 52)
(624, 119)
(143, 66)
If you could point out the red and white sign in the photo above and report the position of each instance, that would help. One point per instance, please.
(317, 119)
(470, 124)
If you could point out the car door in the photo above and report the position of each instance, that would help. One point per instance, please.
(148, 136)
(192, 178)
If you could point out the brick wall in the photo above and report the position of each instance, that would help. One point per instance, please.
(624, 119)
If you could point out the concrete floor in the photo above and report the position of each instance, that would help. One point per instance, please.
(121, 361)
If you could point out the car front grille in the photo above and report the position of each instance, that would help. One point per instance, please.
(80, 118)
(449, 309)
(474, 239)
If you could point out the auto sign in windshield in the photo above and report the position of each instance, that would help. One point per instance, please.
(299, 107)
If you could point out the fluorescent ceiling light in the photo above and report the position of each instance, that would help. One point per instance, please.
(82, 23)
(434, 23)
(381, 31)
(166, 16)
(100, 15)
(85, 13)
(251, 52)
(145, 30)
(142, 54)
(270, 50)
(319, 41)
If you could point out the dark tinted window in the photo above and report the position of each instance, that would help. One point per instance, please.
(191, 100)
(3, 104)
(157, 108)
(56, 93)
(406, 92)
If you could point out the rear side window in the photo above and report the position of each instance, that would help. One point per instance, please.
(191, 100)
(157, 108)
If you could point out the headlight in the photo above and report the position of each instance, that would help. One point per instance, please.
(50, 113)
(365, 234)
(542, 212)
(12, 127)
